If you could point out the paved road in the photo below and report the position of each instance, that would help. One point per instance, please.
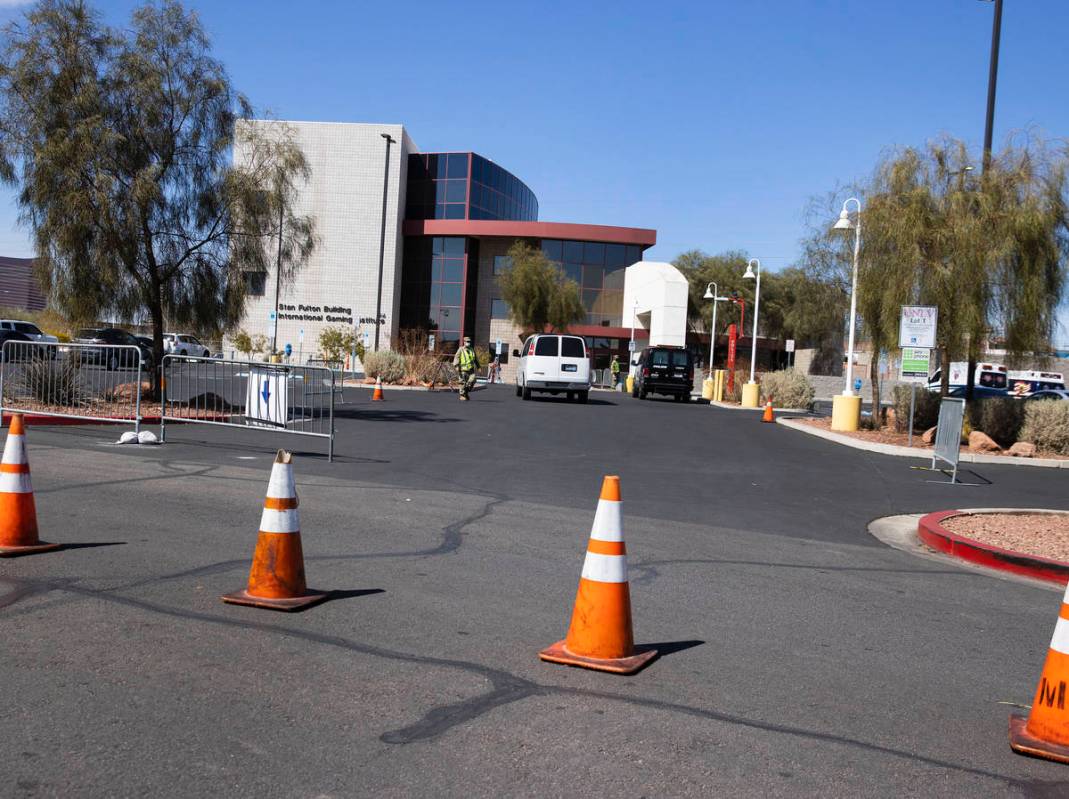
(802, 657)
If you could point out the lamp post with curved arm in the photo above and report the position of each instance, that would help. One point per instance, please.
(750, 394)
(846, 408)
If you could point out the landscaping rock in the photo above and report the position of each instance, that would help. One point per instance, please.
(1022, 449)
(982, 442)
(929, 436)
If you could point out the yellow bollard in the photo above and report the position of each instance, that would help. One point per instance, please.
(708, 387)
(630, 383)
(845, 413)
(751, 395)
(721, 378)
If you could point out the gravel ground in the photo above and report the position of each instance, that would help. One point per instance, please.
(1043, 534)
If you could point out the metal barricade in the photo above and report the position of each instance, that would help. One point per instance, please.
(948, 434)
(96, 382)
(254, 395)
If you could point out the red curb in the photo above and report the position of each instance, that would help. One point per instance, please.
(932, 533)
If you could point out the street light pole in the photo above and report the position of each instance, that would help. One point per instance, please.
(631, 346)
(756, 306)
(711, 293)
(382, 236)
(992, 79)
(845, 223)
(278, 274)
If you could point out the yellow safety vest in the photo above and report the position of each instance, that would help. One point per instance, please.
(467, 359)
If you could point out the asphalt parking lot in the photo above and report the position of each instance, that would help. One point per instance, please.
(801, 657)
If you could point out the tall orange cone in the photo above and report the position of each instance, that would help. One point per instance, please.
(276, 580)
(376, 396)
(1045, 732)
(600, 636)
(768, 417)
(18, 513)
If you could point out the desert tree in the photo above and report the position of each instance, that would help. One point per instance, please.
(537, 295)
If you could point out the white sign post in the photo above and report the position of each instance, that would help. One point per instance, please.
(916, 328)
(790, 352)
(916, 363)
(267, 399)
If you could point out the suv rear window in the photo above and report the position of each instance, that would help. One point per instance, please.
(547, 345)
(571, 347)
(680, 358)
(659, 358)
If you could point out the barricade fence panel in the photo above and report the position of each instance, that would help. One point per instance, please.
(270, 397)
(102, 382)
(948, 433)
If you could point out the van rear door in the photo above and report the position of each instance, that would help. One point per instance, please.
(574, 365)
(543, 358)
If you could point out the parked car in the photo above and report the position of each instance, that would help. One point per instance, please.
(553, 364)
(1049, 394)
(106, 355)
(184, 344)
(28, 329)
(664, 370)
(19, 353)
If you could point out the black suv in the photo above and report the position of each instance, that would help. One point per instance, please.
(112, 358)
(664, 370)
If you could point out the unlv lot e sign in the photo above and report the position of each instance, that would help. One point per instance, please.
(917, 326)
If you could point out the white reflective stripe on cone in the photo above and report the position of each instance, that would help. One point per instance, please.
(15, 449)
(1060, 641)
(608, 521)
(605, 568)
(281, 485)
(280, 521)
(15, 483)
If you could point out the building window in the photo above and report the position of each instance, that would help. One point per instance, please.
(255, 284)
(499, 309)
(502, 264)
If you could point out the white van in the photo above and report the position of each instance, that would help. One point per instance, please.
(554, 364)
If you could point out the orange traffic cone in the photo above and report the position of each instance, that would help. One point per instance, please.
(377, 394)
(18, 513)
(768, 417)
(1045, 732)
(600, 636)
(276, 580)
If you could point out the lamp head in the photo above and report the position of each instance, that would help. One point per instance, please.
(749, 273)
(709, 295)
(844, 222)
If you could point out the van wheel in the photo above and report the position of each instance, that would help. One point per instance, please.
(571, 396)
(583, 397)
(526, 393)
(519, 390)
(642, 394)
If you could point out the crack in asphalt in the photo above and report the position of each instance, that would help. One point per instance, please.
(648, 572)
(508, 688)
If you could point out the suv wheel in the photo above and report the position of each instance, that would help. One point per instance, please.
(583, 397)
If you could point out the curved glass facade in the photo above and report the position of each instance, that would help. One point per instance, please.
(465, 186)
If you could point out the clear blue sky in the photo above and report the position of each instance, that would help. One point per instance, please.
(713, 122)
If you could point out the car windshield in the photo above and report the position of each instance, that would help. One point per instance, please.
(26, 327)
(87, 333)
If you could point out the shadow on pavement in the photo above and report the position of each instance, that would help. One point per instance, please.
(369, 415)
(665, 648)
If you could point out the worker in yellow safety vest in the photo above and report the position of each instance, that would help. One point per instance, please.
(466, 363)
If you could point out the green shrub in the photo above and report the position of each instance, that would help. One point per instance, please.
(999, 417)
(1046, 424)
(925, 412)
(243, 343)
(336, 342)
(386, 365)
(787, 388)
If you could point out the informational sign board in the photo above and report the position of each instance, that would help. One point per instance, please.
(916, 328)
(367, 340)
(916, 362)
(267, 399)
(790, 345)
(631, 345)
(498, 349)
(430, 342)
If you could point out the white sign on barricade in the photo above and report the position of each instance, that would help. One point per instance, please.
(916, 328)
(267, 400)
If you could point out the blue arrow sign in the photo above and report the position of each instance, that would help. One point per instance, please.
(266, 393)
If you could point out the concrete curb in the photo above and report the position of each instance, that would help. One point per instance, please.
(728, 406)
(931, 531)
(907, 452)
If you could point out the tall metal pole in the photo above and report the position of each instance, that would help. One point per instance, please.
(278, 274)
(382, 236)
(756, 308)
(712, 333)
(992, 79)
(848, 390)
